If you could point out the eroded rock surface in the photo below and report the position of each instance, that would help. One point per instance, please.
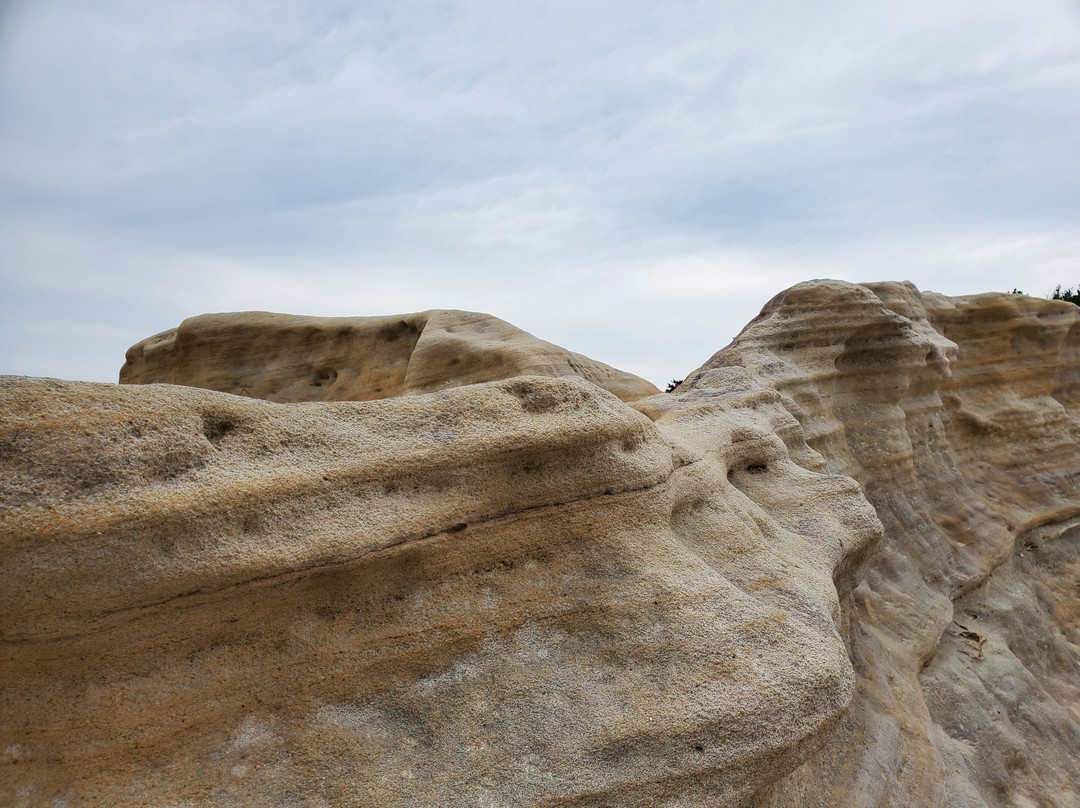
(959, 417)
(526, 592)
(287, 358)
(519, 593)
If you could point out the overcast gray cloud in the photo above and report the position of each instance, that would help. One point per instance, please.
(630, 180)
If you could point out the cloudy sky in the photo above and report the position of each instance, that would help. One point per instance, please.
(632, 180)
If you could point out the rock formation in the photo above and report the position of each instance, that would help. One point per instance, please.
(960, 418)
(527, 592)
(283, 358)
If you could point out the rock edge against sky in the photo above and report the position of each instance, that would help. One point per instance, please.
(457, 565)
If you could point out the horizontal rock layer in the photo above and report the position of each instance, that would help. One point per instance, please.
(286, 358)
(960, 418)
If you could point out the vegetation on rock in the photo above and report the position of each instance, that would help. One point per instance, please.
(1058, 294)
(1066, 294)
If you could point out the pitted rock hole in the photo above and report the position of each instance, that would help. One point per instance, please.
(216, 426)
(324, 377)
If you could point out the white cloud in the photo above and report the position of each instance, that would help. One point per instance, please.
(714, 273)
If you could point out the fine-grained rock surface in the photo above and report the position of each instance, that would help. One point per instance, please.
(960, 418)
(526, 592)
(517, 593)
(287, 358)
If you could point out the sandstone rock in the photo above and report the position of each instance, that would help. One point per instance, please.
(518, 593)
(527, 592)
(959, 417)
(286, 358)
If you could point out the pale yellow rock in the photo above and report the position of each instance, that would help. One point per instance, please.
(959, 417)
(287, 358)
(519, 593)
(528, 593)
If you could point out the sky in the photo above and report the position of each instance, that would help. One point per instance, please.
(631, 180)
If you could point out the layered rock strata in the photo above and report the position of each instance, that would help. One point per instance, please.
(519, 593)
(960, 418)
(286, 358)
(526, 592)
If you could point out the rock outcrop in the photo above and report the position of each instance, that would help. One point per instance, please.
(286, 358)
(960, 418)
(527, 592)
(516, 593)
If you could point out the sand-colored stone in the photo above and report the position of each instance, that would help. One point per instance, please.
(959, 417)
(519, 593)
(527, 592)
(288, 358)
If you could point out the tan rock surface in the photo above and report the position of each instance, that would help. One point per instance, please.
(520, 593)
(528, 593)
(959, 417)
(288, 358)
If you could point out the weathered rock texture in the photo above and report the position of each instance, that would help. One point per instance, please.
(285, 358)
(519, 593)
(960, 418)
(528, 593)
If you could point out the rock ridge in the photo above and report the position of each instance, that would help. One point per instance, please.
(290, 358)
(430, 560)
(959, 419)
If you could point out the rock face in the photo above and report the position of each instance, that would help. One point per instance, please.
(527, 592)
(516, 593)
(285, 358)
(960, 418)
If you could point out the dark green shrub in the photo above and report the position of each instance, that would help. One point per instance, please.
(1066, 294)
